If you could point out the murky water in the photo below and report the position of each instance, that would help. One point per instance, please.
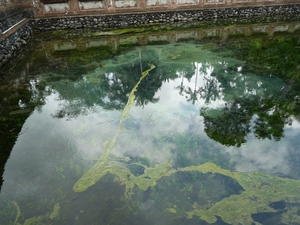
(186, 132)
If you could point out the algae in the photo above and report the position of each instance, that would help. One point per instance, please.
(259, 191)
(172, 209)
(291, 216)
(103, 165)
(36, 219)
(55, 211)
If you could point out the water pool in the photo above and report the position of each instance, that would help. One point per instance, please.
(167, 132)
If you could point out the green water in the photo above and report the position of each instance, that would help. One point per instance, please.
(186, 132)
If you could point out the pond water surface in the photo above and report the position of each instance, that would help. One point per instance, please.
(186, 132)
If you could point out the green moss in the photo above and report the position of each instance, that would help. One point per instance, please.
(120, 31)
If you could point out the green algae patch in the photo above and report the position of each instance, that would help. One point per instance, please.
(42, 219)
(152, 175)
(104, 165)
(55, 211)
(172, 209)
(35, 220)
(259, 191)
(97, 171)
(143, 182)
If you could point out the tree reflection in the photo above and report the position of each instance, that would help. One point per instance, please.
(263, 114)
(210, 88)
(229, 125)
(193, 93)
(111, 87)
(186, 71)
(253, 105)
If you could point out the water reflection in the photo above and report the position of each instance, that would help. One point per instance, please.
(203, 104)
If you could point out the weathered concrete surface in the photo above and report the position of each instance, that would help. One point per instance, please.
(56, 7)
(90, 5)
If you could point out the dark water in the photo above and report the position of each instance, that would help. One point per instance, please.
(201, 131)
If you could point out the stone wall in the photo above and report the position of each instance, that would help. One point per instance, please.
(241, 14)
(12, 16)
(11, 47)
(15, 30)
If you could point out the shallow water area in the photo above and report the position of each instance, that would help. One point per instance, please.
(186, 132)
